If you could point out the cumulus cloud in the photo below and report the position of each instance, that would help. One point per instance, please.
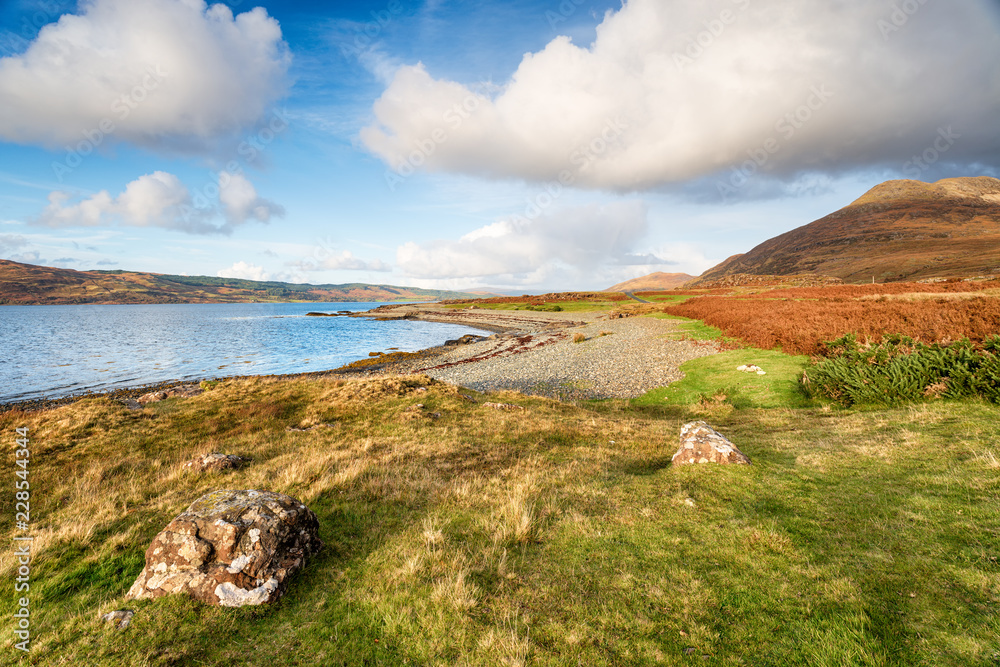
(580, 238)
(672, 91)
(160, 199)
(240, 202)
(158, 73)
(244, 271)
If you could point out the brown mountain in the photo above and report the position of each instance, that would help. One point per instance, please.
(898, 230)
(27, 284)
(652, 282)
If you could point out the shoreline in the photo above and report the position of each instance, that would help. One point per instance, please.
(504, 322)
(618, 358)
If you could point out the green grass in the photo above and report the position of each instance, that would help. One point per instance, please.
(554, 535)
(692, 329)
(715, 378)
(668, 299)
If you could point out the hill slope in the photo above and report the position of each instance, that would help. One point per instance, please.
(27, 284)
(654, 281)
(897, 230)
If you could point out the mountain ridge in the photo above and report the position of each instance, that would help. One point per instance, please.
(29, 284)
(652, 281)
(898, 230)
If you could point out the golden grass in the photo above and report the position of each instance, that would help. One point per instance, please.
(487, 536)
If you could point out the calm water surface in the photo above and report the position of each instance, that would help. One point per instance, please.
(48, 351)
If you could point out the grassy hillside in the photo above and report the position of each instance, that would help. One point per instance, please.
(554, 535)
(26, 284)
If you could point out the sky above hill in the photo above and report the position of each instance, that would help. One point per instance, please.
(525, 145)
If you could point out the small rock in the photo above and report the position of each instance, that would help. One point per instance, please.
(467, 339)
(230, 548)
(120, 617)
(215, 461)
(183, 391)
(700, 443)
(503, 406)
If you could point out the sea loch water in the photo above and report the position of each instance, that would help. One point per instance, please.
(50, 351)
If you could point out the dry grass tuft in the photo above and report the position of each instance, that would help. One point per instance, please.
(457, 591)
(507, 644)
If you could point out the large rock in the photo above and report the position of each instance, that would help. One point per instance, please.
(230, 548)
(700, 443)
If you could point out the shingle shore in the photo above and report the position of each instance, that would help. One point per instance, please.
(533, 353)
(536, 354)
(635, 356)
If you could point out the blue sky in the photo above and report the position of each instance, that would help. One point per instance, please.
(524, 145)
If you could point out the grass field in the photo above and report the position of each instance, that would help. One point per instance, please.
(554, 535)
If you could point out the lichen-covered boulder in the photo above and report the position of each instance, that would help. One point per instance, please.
(230, 548)
(700, 443)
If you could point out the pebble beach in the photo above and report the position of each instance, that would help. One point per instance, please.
(567, 356)
(542, 354)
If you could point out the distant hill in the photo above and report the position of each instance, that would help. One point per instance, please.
(898, 230)
(654, 281)
(27, 284)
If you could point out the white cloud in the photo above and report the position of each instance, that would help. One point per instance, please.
(160, 199)
(240, 202)
(580, 239)
(164, 73)
(671, 91)
(245, 271)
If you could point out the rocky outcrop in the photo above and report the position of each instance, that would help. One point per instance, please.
(230, 548)
(214, 462)
(700, 443)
